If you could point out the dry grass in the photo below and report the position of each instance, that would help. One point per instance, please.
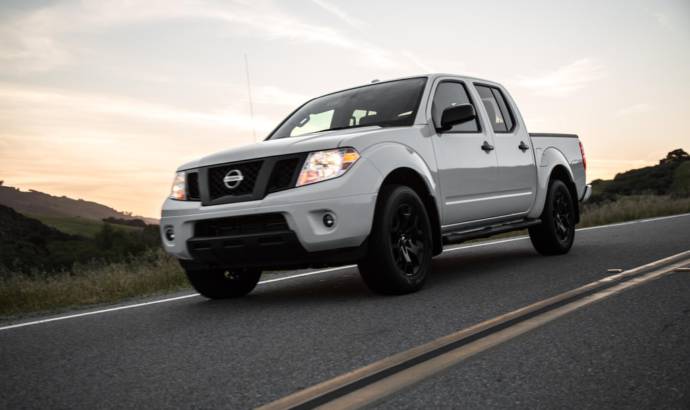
(157, 273)
(149, 274)
(632, 207)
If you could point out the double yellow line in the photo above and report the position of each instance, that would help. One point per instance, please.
(380, 379)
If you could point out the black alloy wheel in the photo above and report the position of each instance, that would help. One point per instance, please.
(556, 233)
(400, 244)
(407, 239)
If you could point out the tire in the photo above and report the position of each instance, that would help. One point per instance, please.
(556, 233)
(222, 284)
(400, 245)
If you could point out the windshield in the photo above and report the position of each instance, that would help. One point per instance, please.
(390, 104)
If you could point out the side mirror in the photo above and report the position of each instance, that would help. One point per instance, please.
(456, 115)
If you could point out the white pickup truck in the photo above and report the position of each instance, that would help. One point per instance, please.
(381, 175)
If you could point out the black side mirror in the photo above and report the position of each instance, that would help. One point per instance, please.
(456, 115)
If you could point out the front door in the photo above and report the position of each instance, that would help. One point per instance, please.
(466, 161)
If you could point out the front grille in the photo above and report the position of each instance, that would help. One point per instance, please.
(193, 186)
(241, 225)
(260, 177)
(284, 174)
(218, 189)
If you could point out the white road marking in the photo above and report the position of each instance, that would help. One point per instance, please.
(300, 275)
(96, 312)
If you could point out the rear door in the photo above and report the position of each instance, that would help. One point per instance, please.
(517, 172)
(467, 172)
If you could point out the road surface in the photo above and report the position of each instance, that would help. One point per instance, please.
(631, 349)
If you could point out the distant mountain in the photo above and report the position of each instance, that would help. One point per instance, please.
(671, 176)
(38, 203)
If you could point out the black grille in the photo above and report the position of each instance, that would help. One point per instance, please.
(250, 173)
(260, 178)
(241, 225)
(193, 186)
(284, 174)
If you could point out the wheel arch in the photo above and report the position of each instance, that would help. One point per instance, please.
(553, 165)
(561, 173)
(414, 180)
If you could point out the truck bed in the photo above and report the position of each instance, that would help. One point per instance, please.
(567, 145)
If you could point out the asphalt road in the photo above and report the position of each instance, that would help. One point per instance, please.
(631, 350)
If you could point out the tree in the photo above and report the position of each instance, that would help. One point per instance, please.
(675, 155)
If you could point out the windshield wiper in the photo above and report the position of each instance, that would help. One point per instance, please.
(391, 123)
(346, 127)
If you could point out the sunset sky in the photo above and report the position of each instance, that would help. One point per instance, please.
(102, 100)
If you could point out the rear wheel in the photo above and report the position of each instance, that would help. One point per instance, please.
(555, 234)
(400, 244)
(223, 284)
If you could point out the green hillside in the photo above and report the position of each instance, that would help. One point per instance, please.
(78, 226)
(30, 246)
(670, 177)
(681, 180)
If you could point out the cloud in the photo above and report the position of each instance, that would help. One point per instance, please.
(27, 45)
(435, 65)
(89, 144)
(267, 94)
(339, 13)
(665, 21)
(566, 80)
(634, 109)
(36, 40)
(23, 100)
(418, 61)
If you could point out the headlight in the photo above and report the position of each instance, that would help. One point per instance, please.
(323, 165)
(178, 190)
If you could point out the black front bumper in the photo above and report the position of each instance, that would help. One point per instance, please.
(273, 250)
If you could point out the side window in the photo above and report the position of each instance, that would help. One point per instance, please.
(450, 94)
(497, 109)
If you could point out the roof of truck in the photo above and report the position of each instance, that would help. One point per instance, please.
(431, 76)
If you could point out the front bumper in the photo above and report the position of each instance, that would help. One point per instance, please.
(274, 250)
(303, 209)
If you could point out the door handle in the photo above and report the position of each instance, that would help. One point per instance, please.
(487, 147)
(523, 147)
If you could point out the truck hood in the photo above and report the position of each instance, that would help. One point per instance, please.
(283, 146)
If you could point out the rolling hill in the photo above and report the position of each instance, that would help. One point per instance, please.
(28, 245)
(671, 176)
(45, 205)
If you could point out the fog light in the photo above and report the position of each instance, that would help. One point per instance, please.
(329, 220)
(170, 234)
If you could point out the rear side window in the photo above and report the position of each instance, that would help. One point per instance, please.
(450, 94)
(497, 108)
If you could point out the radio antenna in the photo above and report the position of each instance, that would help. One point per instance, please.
(249, 92)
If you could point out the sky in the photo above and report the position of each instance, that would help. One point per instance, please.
(102, 100)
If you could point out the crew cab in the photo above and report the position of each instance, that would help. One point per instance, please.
(382, 175)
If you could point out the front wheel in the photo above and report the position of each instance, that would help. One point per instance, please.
(400, 245)
(556, 233)
(217, 283)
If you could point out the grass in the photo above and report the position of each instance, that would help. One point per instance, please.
(75, 225)
(157, 273)
(148, 274)
(629, 208)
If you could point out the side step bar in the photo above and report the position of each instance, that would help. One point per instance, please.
(462, 236)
